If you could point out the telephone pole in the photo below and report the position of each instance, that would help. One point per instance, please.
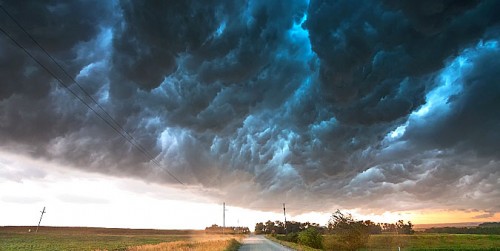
(223, 216)
(284, 214)
(43, 212)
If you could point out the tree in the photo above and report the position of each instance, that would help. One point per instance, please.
(294, 227)
(269, 227)
(279, 227)
(403, 228)
(388, 227)
(352, 234)
(311, 237)
(372, 227)
(260, 228)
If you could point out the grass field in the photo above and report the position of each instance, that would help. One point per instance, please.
(62, 238)
(417, 242)
(434, 242)
(206, 245)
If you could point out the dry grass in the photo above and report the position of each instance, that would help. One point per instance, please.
(91, 239)
(205, 243)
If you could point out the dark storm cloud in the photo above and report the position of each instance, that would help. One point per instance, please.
(473, 110)
(367, 51)
(351, 103)
(146, 46)
(58, 26)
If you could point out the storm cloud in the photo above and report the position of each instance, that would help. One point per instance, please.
(355, 104)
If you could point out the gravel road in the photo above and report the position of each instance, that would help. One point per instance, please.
(260, 243)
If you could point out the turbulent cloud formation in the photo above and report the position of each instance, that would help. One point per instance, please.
(355, 104)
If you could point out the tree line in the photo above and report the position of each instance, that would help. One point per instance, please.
(215, 229)
(278, 227)
(483, 228)
(351, 233)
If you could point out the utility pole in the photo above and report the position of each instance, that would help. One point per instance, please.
(223, 216)
(284, 214)
(43, 211)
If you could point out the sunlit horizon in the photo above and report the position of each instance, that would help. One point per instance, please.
(96, 200)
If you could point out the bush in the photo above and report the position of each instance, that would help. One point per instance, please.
(351, 234)
(233, 245)
(291, 237)
(310, 237)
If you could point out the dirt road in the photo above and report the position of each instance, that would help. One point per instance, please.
(260, 243)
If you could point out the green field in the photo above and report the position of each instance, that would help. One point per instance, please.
(62, 238)
(434, 242)
(417, 242)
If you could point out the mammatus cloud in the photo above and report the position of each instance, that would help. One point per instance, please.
(354, 104)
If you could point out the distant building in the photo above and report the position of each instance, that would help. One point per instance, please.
(215, 229)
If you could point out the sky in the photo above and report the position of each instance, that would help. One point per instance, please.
(151, 114)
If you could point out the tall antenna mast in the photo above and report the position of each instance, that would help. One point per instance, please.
(43, 212)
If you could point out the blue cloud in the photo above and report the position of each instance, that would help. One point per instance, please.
(336, 101)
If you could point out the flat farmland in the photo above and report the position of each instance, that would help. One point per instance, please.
(76, 238)
(413, 242)
(427, 242)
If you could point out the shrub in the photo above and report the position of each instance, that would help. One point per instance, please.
(233, 245)
(310, 237)
(291, 237)
(352, 234)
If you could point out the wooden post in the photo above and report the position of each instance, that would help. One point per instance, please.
(284, 214)
(43, 211)
(223, 217)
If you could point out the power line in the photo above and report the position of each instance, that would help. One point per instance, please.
(67, 74)
(115, 125)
